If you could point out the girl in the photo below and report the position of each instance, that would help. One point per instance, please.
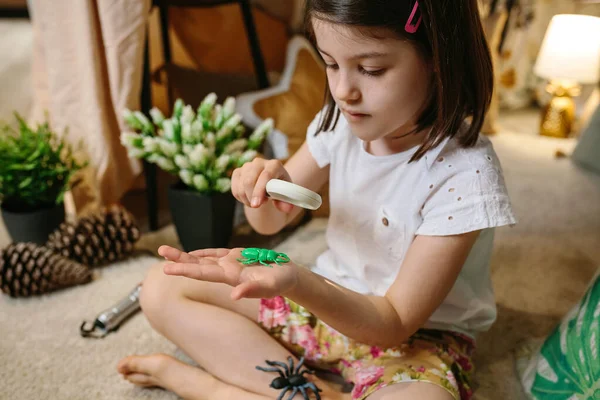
(396, 301)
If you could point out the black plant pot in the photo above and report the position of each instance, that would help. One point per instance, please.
(33, 226)
(202, 221)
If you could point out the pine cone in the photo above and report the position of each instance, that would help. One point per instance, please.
(27, 269)
(99, 238)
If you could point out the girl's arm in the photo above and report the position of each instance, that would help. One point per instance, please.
(304, 171)
(428, 273)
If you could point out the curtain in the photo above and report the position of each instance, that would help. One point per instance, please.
(87, 67)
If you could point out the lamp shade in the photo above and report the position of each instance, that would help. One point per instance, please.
(571, 49)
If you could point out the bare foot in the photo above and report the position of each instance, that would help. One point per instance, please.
(161, 370)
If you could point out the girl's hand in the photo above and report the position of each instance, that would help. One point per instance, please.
(248, 183)
(221, 265)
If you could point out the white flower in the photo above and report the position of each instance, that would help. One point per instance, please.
(207, 104)
(210, 141)
(199, 156)
(187, 148)
(223, 185)
(153, 158)
(235, 155)
(166, 164)
(236, 145)
(222, 162)
(146, 124)
(162, 162)
(150, 144)
(197, 130)
(188, 115)
(131, 120)
(186, 176)
(234, 121)
(135, 153)
(129, 139)
(168, 148)
(182, 161)
(157, 116)
(259, 134)
(168, 129)
(262, 130)
(186, 132)
(247, 156)
(200, 182)
(178, 108)
(229, 107)
(223, 133)
(217, 115)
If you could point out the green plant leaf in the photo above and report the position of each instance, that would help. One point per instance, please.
(569, 359)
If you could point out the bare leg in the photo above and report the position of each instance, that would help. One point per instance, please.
(410, 391)
(219, 334)
(190, 383)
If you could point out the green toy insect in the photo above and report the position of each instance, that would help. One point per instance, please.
(253, 255)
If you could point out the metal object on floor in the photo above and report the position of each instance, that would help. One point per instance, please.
(111, 319)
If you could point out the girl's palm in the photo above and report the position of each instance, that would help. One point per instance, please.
(222, 265)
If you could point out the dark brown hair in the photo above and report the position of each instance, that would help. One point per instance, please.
(450, 37)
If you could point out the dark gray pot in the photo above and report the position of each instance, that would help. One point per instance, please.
(201, 221)
(33, 226)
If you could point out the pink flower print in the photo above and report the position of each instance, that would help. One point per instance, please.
(452, 380)
(304, 336)
(462, 361)
(376, 352)
(364, 378)
(273, 312)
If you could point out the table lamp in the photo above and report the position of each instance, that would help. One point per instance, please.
(569, 56)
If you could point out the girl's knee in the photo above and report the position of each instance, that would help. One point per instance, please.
(156, 291)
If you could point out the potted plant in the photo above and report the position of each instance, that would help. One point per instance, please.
(202, 147)
(36, 171)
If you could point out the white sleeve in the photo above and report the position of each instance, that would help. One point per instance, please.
(471, 199)
(319, 143)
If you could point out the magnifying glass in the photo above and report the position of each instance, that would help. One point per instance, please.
(278, 189)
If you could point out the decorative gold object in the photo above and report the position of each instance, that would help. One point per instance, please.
(558, 116)
(569, 56)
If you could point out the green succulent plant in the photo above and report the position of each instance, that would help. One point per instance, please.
(37, 166)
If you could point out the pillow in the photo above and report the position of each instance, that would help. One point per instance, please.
(292, 103)
(566, 365)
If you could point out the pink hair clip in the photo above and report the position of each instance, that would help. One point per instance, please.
(410, 27)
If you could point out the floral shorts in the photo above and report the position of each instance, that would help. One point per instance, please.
(439, 357)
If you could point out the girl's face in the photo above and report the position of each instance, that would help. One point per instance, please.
(380, 85)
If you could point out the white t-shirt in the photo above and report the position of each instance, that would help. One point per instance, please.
(380, 203)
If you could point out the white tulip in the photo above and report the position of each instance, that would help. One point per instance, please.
(200, 182)
(186, 176)
(188, 115)
(223, 185)
(238, 144)
(150, 144)
(182, 161)
(222, 162)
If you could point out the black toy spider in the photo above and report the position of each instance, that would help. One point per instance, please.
(290, 378)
